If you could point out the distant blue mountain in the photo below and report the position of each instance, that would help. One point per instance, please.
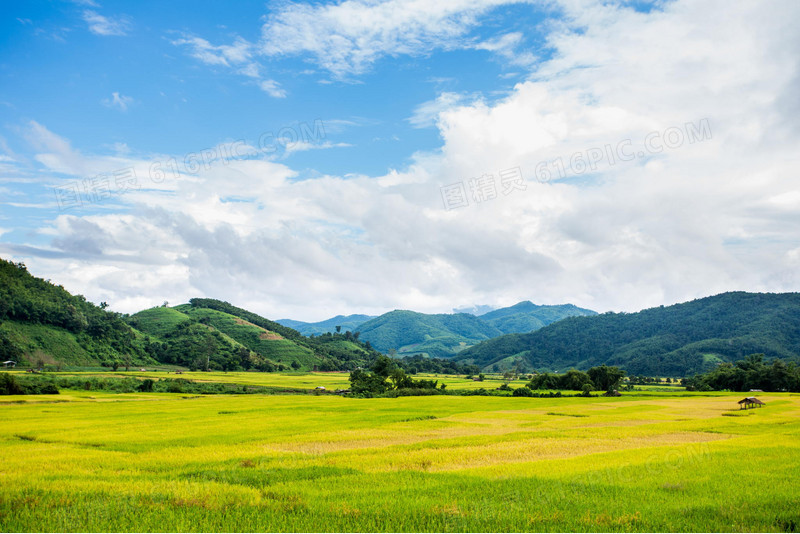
(347, 322)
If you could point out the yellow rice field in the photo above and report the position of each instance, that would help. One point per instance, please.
(170, 462)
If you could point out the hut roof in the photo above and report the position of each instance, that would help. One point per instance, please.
(750, 400)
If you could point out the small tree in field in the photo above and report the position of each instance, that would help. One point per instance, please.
(605, 377)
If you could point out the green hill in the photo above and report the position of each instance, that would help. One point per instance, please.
(437, 336)
(526, 316)
(43, 324)
(174, 338)
(215, 333)
(445, 335)
(676, 340)
(263, 341)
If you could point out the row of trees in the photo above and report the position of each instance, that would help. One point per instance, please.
(601, 378)
(753, 372)
(420, 364)
(647, 380)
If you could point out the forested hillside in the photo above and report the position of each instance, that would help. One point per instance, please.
(43, 324)
(439, 336)
(445, 335)
(676, 340)
(526, 316)
(209, 333)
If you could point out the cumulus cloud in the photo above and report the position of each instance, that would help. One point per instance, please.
(426, 114)
(615, 223)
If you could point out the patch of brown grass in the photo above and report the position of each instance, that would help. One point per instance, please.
(272, 336)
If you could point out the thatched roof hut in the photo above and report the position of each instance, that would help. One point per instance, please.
(750, 402)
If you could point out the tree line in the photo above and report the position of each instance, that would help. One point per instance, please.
(753, 372)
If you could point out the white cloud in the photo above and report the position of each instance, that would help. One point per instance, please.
(106, 26)
(238, 53)
(348, 37)
(427, 114)
(272, 88)
(304, 146)
(238, 57)
(695, 219)
(507, 46)
(119, 101)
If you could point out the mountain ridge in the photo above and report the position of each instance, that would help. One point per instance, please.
(674, 340)
(444, 335)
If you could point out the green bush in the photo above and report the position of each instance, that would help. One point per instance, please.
(9, 385)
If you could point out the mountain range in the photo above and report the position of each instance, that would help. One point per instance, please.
(344, 322)
(406, 333)
(43, 324)
(665, 341)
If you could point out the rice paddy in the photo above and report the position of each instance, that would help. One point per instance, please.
(83, 461)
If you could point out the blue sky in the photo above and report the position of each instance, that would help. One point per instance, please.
(383, 105)
(59, 68)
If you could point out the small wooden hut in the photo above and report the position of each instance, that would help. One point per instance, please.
(750, 402)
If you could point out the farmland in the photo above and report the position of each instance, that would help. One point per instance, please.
(308, 381)
(88, 461)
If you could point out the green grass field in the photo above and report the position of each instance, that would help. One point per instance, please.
(166, 462)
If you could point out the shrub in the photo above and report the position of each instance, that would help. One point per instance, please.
(9, 385)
